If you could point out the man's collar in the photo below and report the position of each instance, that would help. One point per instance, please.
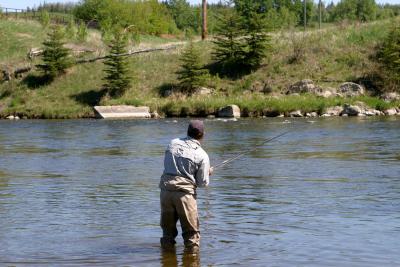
(193, 140)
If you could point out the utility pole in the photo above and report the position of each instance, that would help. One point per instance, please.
(204, 20)
(320, 14)
(305, 15)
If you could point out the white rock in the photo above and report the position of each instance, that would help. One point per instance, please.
(391, 96)
(313, 114)
(303, 86)
(231, 111)
(203, 91)
(352, 110)
(390, 112)
(334, 111)
(155, 115)
(296, 113)
(350, 89)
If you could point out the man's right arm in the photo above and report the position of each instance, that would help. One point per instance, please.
(203, 173)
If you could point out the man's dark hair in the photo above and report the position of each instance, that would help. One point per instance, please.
(196, 129)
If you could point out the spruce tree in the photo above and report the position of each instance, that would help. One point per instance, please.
(55, 56)
(117, 78)
(192, 73)
(230, 48)
(389, 54)
(257, 40)
(254, 25)
(242, 41)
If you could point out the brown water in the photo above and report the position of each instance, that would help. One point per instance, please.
(84, 193)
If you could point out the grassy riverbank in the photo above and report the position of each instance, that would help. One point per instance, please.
(329, 57)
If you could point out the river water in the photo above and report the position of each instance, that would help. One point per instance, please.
(85, 193)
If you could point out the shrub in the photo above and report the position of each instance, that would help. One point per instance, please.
(44, 18)
(82, 32)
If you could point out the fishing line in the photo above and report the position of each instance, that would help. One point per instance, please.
(244, 152)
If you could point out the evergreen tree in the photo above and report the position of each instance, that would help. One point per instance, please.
(183, 14)
(230, 48)
(192, 74)
(389, 54)
(117, 78)
(242, 41)
(257, 41)
(55, 56)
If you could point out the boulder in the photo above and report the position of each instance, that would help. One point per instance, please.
(325, 94)
(297, 114)
(11, 117)
(326, 115)
(350, 89)
(352, 110)
(303, 86)
(334, 111)
(231, 111)
(390, 112)
(261, 87)
(203, 91)
(122, 111)
(311, 114)
(392, 96)
(155, 115)
(370, 112)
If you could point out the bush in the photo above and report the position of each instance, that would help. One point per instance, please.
(44, 18)
(71, 28)
(148, 17)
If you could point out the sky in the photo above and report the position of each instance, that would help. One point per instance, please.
(30, 3)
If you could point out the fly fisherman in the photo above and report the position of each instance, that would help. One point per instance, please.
(186, 167)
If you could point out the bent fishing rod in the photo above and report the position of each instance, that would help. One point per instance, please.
(244, 152)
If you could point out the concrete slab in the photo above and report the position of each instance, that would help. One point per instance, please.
(122, 112)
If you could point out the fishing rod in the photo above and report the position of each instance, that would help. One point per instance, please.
(229, 160)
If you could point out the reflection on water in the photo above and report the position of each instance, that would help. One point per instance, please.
(169, 258)
(86, 192)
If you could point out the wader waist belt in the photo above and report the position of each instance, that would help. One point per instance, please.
(177, 183)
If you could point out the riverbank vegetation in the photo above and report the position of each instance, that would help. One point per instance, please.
(343, 52)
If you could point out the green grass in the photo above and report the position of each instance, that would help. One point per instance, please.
(17, 37)
(331, 56)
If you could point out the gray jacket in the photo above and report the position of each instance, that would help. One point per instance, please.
(184, 158)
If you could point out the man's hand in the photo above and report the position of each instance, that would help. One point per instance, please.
(210, 172)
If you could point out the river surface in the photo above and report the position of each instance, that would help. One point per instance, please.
(85, 193)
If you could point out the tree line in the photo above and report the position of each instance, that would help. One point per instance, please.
(241, 45)
(177, 16)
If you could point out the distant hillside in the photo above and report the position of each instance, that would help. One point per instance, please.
(329, 57)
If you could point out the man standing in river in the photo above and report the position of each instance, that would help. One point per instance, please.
(186, 167)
